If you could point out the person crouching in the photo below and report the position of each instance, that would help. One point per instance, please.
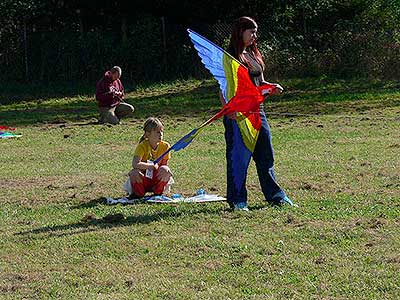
(110, 97)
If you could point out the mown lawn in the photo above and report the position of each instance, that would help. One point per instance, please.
(337, 148)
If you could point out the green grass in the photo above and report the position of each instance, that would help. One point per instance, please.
(337, 148)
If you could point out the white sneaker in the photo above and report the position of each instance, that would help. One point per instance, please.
(241, 207)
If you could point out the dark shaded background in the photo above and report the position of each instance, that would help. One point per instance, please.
(74, 42)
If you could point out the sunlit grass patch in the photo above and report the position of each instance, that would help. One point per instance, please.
(336, 156)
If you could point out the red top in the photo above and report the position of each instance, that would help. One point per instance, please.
(105, 91)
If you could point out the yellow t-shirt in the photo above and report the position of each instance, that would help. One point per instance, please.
(145, 152)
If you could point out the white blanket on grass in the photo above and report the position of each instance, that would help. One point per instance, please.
(164, 199)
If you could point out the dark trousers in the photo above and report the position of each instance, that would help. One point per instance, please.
(263, 157)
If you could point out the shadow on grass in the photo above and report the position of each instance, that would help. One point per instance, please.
(92, 203)
(20, 92)
(197, 101)
(202, 100)
(91, 223)
(103, 200)
(95, 224)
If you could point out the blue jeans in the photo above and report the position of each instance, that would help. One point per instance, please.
(263, 157)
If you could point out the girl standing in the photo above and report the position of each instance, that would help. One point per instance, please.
(243, 47)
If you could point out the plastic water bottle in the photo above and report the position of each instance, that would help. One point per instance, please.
(200, 192)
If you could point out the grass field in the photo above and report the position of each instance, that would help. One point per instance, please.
(337, 147)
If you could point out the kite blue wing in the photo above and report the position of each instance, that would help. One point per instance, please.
(220, 63)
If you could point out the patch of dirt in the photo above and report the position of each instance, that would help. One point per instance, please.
(253, 187)
(88, 218)
(110, 218)
(52, 189)
(213, 265)
(320, 260)
(309, 186)
(50, 183)
(10, 283)
(377, 223)
(292, 221)
(395, 259)
(239, 261)
(394, 146)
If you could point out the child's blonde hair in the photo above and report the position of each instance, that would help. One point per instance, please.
(149, 125)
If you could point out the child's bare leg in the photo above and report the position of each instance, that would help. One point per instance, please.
(164, 173)
(137, 183)
(163, 176)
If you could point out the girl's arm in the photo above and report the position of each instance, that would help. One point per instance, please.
(141, 165)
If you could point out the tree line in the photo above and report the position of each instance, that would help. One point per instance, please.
(71, 41)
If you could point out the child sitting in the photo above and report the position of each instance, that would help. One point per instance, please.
(145, 175)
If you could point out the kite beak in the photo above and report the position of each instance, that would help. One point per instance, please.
(270, 89)
(266, 89)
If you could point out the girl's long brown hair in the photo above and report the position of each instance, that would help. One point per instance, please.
(236, 45)
(149, 125)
